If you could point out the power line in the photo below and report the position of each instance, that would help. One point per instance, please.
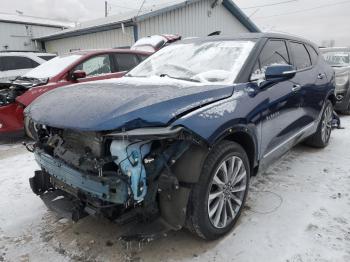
(305, 10)
(143, 2)
(266, 5)
(254, 12)
(149, 7)
(124, 7)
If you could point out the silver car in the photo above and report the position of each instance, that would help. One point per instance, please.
(339, 59)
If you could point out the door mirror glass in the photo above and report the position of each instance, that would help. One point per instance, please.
(279, 72)
(78, 74)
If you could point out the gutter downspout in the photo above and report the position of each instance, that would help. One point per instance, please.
(136, 33)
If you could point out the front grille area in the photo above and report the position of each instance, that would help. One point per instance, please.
(83, 142)
(81, 150)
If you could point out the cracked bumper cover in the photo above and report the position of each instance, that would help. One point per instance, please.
(111, 189)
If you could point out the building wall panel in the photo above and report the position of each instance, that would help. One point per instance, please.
(16, 36)
(105, 39)
(197, 19)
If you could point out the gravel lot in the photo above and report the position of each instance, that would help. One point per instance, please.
(299, 210)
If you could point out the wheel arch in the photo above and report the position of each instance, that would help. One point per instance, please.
(246, 138)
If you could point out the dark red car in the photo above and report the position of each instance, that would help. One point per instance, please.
(75, 67)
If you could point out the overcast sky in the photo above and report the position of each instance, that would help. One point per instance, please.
(318, 20)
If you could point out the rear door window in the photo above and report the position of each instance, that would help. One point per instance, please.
(16, 63)
(126, 62)
(275, 52)
(300, 56)
(97, 65)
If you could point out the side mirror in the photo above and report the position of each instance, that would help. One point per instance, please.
(78, 74)
(279, 72)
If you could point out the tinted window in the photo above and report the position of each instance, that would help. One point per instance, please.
(96, 65)
(313, 54)
(142, 57)
(126, 62)
(300, 55)
(274, 53)
(47, 57)
(16, 62)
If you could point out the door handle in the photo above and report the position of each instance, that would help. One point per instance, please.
(296, 87)
(321, 76)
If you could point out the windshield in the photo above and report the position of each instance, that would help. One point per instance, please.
(337, 58)
(53, 66)
(214, 62)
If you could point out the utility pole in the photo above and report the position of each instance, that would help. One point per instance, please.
(106, 9)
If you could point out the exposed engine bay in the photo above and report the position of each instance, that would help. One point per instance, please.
(8, 95)
(117, 174)
(10, 91)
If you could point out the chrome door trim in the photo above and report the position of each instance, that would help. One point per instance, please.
(309, 126)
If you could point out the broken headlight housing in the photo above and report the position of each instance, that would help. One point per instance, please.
(31, 128)
(129, 148)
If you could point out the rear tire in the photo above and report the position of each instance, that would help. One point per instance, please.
(321, 138)
(217, 200)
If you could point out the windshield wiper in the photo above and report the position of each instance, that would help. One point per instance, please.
(180, 78)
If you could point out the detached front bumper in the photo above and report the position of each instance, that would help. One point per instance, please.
(111, 189)
(11, 118)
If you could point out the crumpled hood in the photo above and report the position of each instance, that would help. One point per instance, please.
(127, 102)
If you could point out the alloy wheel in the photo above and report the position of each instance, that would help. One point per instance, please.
(327, 124)
(227, 191)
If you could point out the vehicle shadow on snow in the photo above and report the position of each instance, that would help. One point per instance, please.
(98, 239)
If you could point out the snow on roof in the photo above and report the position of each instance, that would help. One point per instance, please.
(23, 19)
(136, 15)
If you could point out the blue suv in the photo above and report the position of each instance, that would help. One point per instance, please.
(177, 139)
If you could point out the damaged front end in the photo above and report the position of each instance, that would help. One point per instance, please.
(11, 110)
(122, 175)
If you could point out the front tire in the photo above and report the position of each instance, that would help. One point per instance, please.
(217, 199)
(321, 138)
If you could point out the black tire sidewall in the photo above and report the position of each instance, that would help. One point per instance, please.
(201, 190)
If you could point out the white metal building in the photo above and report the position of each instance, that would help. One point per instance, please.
(186, 18)
(17, 31)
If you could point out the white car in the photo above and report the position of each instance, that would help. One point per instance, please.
(14, 64)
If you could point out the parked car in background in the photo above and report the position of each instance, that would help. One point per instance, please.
(339, 59)
(75, 67)
(154, 43)
(14, 64)
(176, 140)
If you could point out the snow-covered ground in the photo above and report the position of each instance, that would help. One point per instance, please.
(297, 211)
